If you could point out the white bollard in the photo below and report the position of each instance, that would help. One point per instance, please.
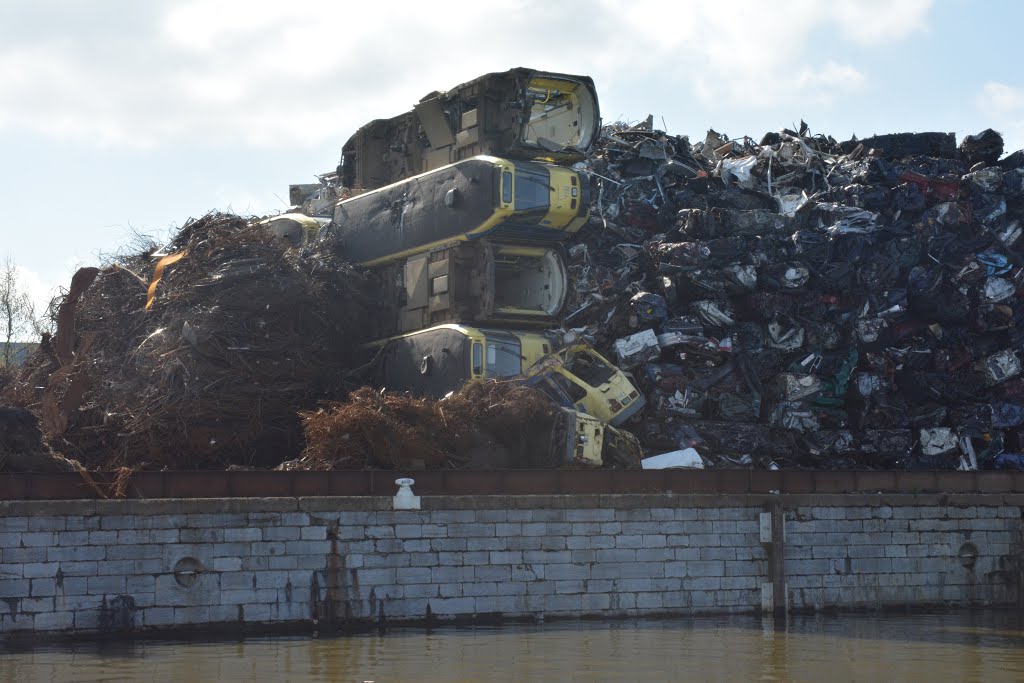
(404, 499)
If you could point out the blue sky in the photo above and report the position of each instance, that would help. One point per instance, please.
(119, 117)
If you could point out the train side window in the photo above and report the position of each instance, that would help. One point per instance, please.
(506, 187)
(478, 359)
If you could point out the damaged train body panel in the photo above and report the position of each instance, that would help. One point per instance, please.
(514, 201)
(479, 282)
(519, 114)
(439, 360)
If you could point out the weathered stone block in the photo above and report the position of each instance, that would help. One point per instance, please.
(468, 530)
(448, 544)
(640, 515)
(564, 572)
(134, 552)
(453, 606)
(522, 543)
(453, 516)
(616, 555)
(871, 565)
(486, 573)
(126, 536)
(747, 567)
(707, 540)
(624, 541)
(569, 586)
(491, 515)
(452, 574)
(137, 585)
(652, 555)
(422, 590)
(590, 515)
(37, 539)
(117, 521)
(407, 575)
(380, 532)
(654, 541)
(526, 572)
(479, 589)
(712, 553)
(35, 570)
(240, 535)
(485, 544)
(687, 553)
(9, 524)
(564, 603)
(677, 540)
(595, 602)
(423, 559)
(106, 585)
(164, 535)
(507, 557)
(416, 545)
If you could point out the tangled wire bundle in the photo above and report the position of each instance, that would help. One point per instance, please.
(242, 333)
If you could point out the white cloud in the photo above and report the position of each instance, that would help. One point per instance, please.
(1002, 100)
(308, 72)
(1003, 106)
(871, 22)
(824, 84)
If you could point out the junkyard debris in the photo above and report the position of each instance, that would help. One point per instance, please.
(795, 302)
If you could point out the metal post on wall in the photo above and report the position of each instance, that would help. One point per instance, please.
(774, 596)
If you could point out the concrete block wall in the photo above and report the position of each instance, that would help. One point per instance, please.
(891, 555)
(317, 563)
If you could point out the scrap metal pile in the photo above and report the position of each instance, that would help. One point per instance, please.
(216, 351)
(197, 357)
(795, 302)
(484, 424)
(801, 302)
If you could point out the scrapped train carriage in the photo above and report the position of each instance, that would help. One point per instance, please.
(489, 197)
(441, 359)
(476, 241)
(472, 282)
(518, 114)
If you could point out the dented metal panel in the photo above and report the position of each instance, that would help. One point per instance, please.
(431, 117)
(520, 114)
(473, 282)
(516, 202)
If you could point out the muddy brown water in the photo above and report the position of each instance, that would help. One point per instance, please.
(976, 646)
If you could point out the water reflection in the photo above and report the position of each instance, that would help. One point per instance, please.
(946, 647)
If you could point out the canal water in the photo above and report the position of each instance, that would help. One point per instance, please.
(980, 646)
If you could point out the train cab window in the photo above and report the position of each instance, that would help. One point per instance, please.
(575, 392)
(532, 192)
(478, 358)
(506, 187)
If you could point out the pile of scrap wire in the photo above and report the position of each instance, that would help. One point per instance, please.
(482, 424)
(198, 356)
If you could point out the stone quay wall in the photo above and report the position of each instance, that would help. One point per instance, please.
(134, 566)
